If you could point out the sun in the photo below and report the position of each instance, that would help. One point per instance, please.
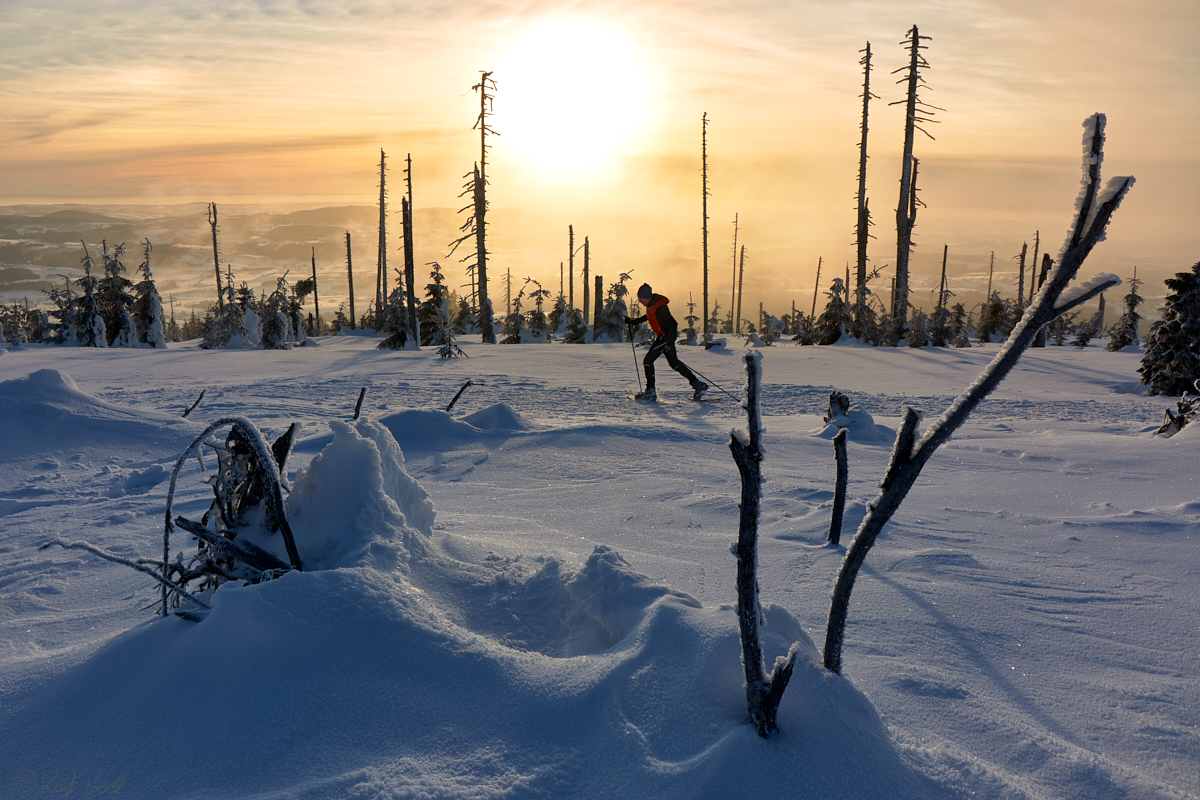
(571, 97)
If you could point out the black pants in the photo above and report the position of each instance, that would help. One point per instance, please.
(665, 345)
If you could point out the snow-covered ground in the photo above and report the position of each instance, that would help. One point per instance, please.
(1027, 626)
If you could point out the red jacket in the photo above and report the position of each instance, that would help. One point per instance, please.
(659, 317)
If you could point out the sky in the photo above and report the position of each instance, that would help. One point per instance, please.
(598, 107)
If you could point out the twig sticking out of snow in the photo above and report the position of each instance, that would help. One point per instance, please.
(192, 407)
(358, 406)
(167, 584)
(1093, 211)
(457, 395)
(763, 691)
(839, 490)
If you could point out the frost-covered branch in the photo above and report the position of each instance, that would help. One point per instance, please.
(253, 438)
(763, 691)
(1094, 209)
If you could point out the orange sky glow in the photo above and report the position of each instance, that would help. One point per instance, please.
(598, 109)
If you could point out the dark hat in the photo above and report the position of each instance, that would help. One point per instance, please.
(644, 291)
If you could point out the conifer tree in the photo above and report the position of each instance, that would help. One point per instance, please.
(431, 308)
(147, 305)
(539, 327)
(114, 298)
(1171, 364)
(89, 320)
(918, 329)
(225, 322)
(836, 318)
(1125, 330)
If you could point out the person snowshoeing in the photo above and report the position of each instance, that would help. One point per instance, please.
(666, 330)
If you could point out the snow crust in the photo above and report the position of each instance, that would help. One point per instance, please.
(563, 625)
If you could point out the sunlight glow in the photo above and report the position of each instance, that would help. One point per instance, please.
(571, 98)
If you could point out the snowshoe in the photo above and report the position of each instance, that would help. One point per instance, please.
(700, 389)
(648, 396)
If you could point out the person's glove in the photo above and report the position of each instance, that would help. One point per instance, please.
(629, 321)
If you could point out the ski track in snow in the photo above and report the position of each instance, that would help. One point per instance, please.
(1026, 625)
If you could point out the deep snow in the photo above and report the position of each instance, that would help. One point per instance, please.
(532, 596)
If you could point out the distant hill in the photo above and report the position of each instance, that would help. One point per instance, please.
(67, 215)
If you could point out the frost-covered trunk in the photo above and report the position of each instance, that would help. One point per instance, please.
(1094, 208)
(763, 691)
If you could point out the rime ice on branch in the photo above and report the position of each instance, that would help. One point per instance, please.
(1093, 209)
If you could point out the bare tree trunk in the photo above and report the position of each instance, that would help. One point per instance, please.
(316, 297)
(212, 222)
(410, 269)
(862, 229)
(599, 310)
(906, 207)
(381, 293)
(763, 691)
(410, 258)
(839, 487)
(910, 456)
(486, 326)
(1021, 277)
(734, 283)
(942, 286)
(1033, 265)
(571, 261)
(737, 327)
(586, 288)
(350, 281)
(816, 289)
(707, 338)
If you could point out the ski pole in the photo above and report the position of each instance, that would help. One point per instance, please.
(711, 382)
(633, 345)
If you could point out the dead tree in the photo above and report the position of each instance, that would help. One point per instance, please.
(816, 289)
(571, 271)
(862, 228)
(486, 88)
(1094, 209)
(704, 195)
(734, 283)
(737, 319)
(212, 223)
(1033, 265)
(316, 298)
(381, 292)
(350, 280)
(1021, 276)
(906, 209)
(410, 264)
(763, 690)
(587, 257)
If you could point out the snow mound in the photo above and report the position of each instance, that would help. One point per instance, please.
(860, 427)
(356, 505)
(498, 417)
(47, 414)
(411, 704)
(429, 429)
